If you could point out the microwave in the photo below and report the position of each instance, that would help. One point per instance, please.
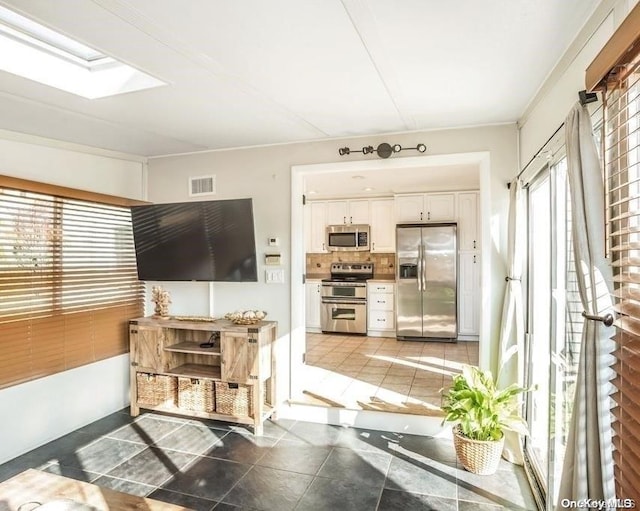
(353, 237)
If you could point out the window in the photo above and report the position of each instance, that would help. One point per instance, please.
(622, 173)
(33, 51)
(68, 283)
(554, 322)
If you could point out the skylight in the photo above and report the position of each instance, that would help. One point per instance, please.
(33, 51)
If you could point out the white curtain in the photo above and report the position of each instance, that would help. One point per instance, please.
(588, 464)
(511, 354)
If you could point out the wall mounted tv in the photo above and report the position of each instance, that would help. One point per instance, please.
(204, 241)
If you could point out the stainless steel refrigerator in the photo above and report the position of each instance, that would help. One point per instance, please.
(426, 277)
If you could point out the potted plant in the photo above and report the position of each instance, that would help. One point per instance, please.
(480, 413)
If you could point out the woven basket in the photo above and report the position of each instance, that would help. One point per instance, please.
(196, 395)
(233, 399)
(156, 390)
(479, 457)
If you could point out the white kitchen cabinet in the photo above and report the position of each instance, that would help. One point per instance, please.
(468, 221)
(381, 319)
(348, 212)
(383, 225)
(440, 207)
(317, 227)
(313, 290)
(409, 208)
(469, 293)
(426, 207)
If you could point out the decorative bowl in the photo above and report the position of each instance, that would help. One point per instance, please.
(248, 317)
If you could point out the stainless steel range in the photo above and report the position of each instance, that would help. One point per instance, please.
(344, 298)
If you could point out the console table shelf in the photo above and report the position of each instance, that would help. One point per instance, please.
(193, 347)
(240, 368)
(196, 371)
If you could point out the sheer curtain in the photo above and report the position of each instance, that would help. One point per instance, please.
(511, 355)
(588, 463)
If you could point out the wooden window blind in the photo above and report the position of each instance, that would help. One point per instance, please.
(68, 283)
(622, 179)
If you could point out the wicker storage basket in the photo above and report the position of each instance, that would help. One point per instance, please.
(156, 390)
(233, 399)
(197, 395)
(479, 457)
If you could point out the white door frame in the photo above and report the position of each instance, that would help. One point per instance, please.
(298, 263)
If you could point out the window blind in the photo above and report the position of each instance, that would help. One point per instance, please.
(622, 178)
(68, 283)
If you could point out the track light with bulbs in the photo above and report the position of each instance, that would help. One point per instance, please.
(384, 150)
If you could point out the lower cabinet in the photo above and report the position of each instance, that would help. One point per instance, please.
(214, 370)
(469, 294)
(381, 315)
(313, 290)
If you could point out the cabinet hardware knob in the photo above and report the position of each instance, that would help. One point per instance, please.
(474, 259)
(344, 219)
(474, 243)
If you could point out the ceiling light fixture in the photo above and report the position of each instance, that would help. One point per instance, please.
(384, 150)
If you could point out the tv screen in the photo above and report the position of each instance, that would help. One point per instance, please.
(204, 241)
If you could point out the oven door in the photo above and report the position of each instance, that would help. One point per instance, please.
(343, 316)
(344, 290)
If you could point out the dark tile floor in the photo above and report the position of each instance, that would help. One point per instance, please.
(296, 465)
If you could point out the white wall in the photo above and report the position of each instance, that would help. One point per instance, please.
(42, 410)
(548, 110)
(264, 174)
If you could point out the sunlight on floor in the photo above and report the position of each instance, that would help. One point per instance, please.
(384, 374)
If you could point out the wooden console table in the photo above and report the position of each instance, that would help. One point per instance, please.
(27, 490)
(175, 369)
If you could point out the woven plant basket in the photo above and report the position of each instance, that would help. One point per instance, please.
(197, 395)
(479, 457)
(233, 399)
(156, 390)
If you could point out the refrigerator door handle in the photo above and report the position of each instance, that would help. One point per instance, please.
(419, 274)
(423, 274)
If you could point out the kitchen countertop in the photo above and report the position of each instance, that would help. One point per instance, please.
(317, 276)
(386, 278)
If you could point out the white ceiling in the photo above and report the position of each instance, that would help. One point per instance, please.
(251, 72)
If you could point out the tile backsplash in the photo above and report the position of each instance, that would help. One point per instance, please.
(383, 264)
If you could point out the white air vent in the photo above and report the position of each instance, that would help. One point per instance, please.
(202, 185)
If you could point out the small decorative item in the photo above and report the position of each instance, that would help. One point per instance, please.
(162, 299)
(249, 317)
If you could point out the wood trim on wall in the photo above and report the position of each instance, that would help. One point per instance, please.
(64, 191)
(621, 48)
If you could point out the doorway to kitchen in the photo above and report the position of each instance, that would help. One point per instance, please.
(372, 373)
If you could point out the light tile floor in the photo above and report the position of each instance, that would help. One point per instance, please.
(384, 374)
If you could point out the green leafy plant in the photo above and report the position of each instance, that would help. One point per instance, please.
(480, 409)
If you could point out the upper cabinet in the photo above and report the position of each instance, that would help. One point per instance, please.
(348, 212)
(317, 218)
(426, 207)
(382, 214)
(469, 221)
(383, 225)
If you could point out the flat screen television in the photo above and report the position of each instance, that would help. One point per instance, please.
(195, 241)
